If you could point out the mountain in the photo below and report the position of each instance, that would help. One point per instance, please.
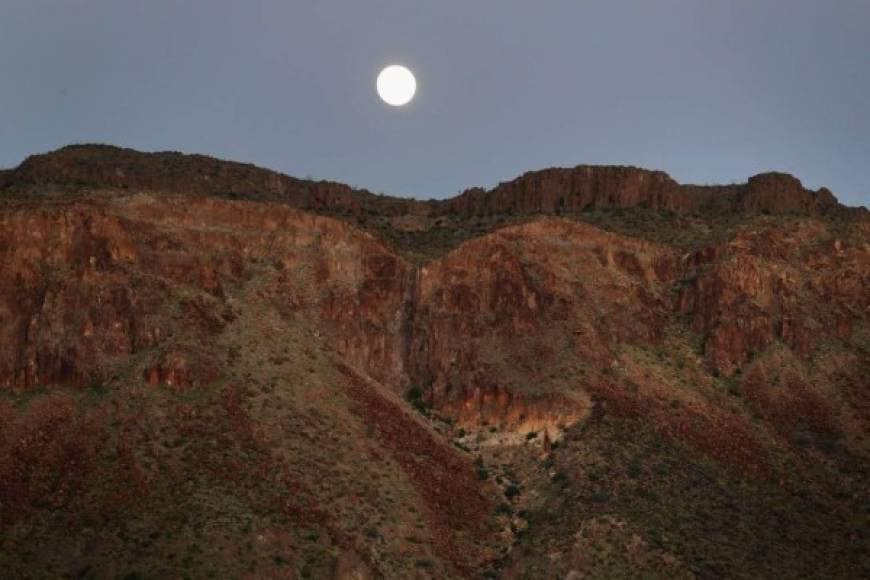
(211, 369)
(548, 190)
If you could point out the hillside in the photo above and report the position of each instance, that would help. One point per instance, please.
(661, 209)
(210, 369)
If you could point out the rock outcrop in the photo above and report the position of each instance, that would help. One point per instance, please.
(801, 285)
(783, 193)
(501, 323)
(582, 187)
(86, 286)
(588, 187)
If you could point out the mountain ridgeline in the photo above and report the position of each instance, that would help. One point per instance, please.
(545, 191)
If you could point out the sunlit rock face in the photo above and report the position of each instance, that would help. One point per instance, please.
(63, 304)
(91, 284)
(510, 329)
(507, 326)
(87, 285)
(492, 323)
(802, 285)
(509, 411)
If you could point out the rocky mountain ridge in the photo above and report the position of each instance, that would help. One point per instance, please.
(544, 191)
(197, 384)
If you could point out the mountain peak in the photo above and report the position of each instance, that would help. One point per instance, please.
(776, 192)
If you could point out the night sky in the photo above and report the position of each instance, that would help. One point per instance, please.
(710, 92)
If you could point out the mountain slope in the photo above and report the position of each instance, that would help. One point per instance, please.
(169, 396)
(423, 230)
(192, 385)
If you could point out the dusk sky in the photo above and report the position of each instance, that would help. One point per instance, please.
(708, 91)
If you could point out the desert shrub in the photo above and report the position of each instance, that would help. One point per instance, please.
(415, 397)
(279, 560)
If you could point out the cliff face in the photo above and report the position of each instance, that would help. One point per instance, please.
(502, 323)
(575, 189)
(91, 283)
(609, 187)
(802, 285)
(513, 329)
(783, 193)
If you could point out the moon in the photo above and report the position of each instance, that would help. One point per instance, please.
(396, 85)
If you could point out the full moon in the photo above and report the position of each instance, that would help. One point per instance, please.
(396, 85)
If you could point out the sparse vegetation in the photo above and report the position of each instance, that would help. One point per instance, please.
(415, 397)
(708, 422)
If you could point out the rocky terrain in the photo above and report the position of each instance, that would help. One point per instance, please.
(209, 369)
